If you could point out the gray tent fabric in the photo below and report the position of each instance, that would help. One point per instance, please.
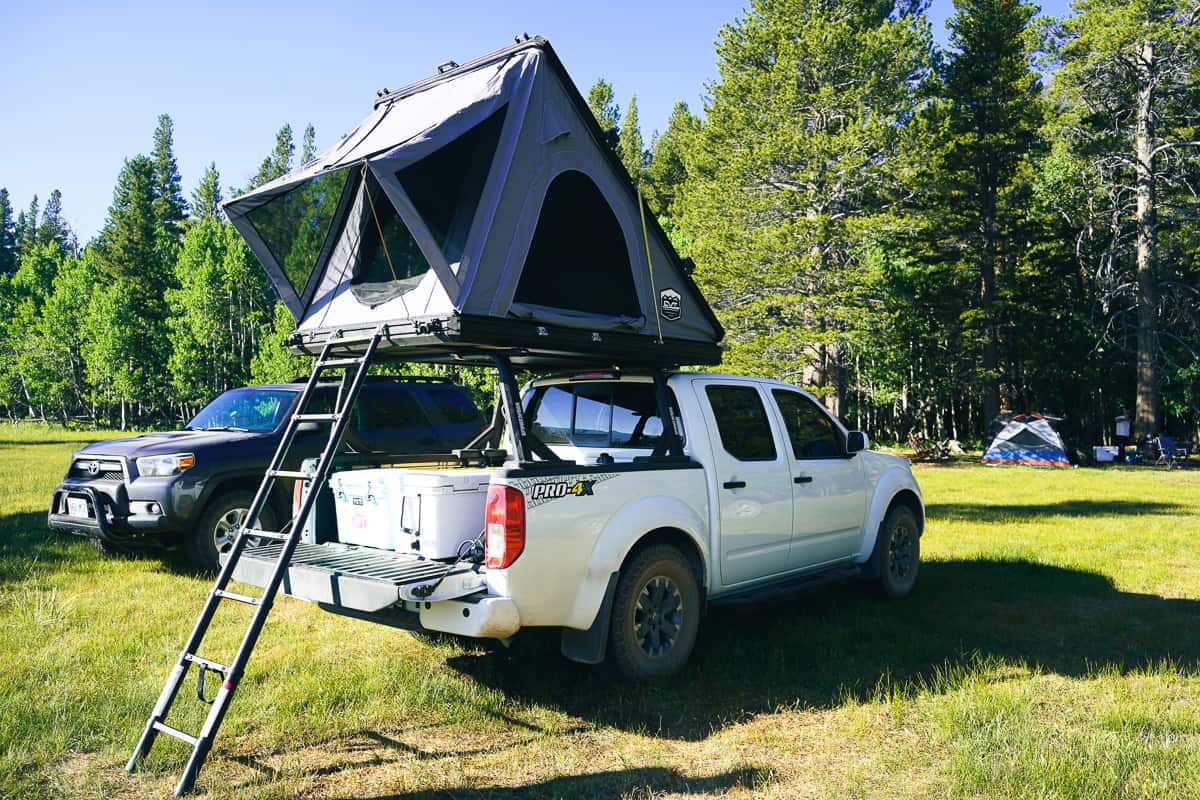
(485, 192)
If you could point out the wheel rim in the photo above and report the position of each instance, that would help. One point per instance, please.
(658, 616)
(902, 552)
(227, 527)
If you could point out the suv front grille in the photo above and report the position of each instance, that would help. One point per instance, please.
(103, 470)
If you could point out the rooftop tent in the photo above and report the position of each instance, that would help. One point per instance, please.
(475, 210)
(1029, 440)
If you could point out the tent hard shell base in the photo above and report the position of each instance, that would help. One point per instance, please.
(481, 208)
(467, 338)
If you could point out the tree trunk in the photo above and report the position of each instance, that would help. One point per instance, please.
(987, 298)
(1146, 416)
(122, 413)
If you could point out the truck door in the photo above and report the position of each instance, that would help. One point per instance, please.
(828, 485)
(752, 481)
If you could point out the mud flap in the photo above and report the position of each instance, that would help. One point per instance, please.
(591, 645)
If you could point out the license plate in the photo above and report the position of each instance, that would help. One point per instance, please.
(77, 507)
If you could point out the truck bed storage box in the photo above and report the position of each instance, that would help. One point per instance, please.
(410, 511)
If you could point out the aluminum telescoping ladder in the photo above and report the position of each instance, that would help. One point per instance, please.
(354, 371)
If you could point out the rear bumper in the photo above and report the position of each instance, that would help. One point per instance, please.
(444, 597)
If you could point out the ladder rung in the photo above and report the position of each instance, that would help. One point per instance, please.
(338, 362)
(163, 727)
(279, 537)
(213, 665)
(317, 417)
(241, 598)
(288, 473)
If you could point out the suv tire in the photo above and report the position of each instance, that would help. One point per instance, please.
(216, 526)
(896, 558)
(656, 614)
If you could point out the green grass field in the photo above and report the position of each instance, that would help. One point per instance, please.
(1051, 650)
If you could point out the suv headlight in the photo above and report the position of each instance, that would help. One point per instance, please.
(162, 466)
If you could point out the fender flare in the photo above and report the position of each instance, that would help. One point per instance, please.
(632, 523)
(892, 482)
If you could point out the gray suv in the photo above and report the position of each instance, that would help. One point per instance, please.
(192, 488)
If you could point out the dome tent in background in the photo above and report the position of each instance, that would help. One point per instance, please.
(480, 207)
(1027, 440)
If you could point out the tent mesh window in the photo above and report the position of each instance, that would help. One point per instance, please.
(578, 259)
(295, 225)
(388, 263)
(446, 185)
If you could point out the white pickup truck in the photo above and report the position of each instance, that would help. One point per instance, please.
(621, 550)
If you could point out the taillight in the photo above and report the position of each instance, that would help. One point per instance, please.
(297, 498)
(505, 526)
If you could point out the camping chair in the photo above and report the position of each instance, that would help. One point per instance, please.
(1168, 453)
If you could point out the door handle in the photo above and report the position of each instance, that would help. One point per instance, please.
(802, 479)
(734, 484)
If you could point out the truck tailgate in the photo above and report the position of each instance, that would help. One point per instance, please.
(361, 578)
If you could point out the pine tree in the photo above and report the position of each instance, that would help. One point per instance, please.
(630, 145)
(789, 176)
(308, 146)
(992, 117)
(280, 161)
(666, 171)
(603, 104)
(54, 228)
(206, 200)
(8, 239)
(135, 252)
(1128, 89)
(169, 205)
(27, 233)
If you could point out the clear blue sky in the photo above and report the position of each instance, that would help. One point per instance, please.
(85, 85)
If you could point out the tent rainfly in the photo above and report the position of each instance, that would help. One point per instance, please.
(476, 210)
(1029, 440)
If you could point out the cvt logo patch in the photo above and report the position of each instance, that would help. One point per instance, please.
(670, 304)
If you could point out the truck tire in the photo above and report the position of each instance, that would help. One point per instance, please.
(214, 531)
(656, 614)
(897, 555)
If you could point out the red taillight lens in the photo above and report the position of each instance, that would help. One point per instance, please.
(505, 526)
(297, 498)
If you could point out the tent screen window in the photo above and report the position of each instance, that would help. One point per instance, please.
(295, 224)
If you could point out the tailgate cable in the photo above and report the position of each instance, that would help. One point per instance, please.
(470, 550)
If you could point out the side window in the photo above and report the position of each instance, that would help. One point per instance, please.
(389, 409)
(635, 420)
(810, 430)
(454, 405)
(593, 415)
(742, 422)
(550, 410)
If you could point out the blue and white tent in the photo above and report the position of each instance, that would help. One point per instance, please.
(1027, 440)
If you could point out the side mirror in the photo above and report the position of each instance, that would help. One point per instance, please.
(308, 427)
(855, 441)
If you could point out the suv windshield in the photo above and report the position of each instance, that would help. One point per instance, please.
(258, 410)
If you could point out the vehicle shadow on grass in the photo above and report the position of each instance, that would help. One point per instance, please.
(843, 644)
(27, 546)
(1024, 512)
(645, 781)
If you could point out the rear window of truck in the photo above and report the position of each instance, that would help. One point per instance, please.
(613, 414)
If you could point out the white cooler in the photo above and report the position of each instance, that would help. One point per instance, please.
(410, 511)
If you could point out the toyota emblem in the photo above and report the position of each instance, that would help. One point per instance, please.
(93, 467)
